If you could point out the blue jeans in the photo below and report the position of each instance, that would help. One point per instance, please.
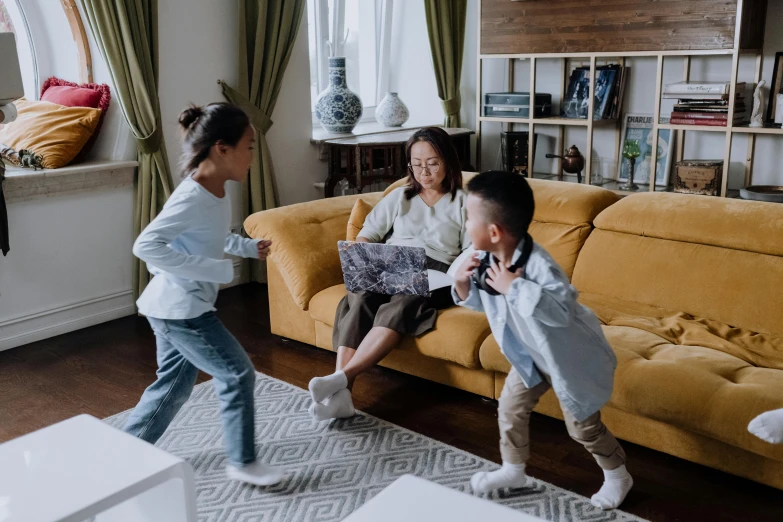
(185, 347)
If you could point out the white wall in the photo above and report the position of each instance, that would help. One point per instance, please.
(69, 264)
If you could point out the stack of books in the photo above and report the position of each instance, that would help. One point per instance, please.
(610, 86)
(706, 103)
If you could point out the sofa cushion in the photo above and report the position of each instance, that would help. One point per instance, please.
(708, 257)
(361, 209)
(693, 387)
(457, 336)
(55, 132)
(689, 372)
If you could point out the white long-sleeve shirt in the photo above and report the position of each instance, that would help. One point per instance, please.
(440, 229)
(184, 249)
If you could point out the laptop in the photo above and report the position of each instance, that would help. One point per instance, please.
(11, 86)
(388, 269)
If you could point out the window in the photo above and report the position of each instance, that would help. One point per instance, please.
(13, 20)
(358, 30)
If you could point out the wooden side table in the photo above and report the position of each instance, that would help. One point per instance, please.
(371, 158)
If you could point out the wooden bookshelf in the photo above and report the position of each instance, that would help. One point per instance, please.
(608, 33)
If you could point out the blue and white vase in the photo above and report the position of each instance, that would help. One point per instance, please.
(338, 108)
(391, 112)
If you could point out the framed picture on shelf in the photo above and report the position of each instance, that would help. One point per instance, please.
(775, 89)
(639, 127)
(514, 146)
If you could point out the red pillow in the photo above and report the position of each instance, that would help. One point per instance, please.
(92, 95)
(72, 96)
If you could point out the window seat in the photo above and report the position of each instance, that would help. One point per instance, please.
(27, 184)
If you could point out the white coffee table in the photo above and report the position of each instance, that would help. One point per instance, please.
(81, 467)
(412, 499)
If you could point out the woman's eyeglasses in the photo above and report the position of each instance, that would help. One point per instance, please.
(432, 168)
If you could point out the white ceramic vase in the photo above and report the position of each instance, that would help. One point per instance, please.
(391, 112)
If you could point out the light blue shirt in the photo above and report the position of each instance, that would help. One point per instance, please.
(184, 249)
(542, 328)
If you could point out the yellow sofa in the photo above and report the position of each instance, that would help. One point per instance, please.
(688, 289)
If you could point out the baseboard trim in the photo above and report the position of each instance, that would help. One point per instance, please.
(37, 326)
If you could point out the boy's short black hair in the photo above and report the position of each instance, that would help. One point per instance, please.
(507, 198)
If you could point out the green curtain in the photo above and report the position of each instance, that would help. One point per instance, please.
(267, 32)
(446, 29)
(124, 31)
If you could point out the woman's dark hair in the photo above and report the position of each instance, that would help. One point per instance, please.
(205, 126)
(507, 199)
(440, 141)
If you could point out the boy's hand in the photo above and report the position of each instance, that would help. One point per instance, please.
(500, 278)
(463, 275)
(263, 249)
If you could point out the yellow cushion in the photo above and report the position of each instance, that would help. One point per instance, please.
(361, 209)
(305, 239)
(55, 132)
(716, 258)
(492, 358)
(692, 387)
(457, 335)
(688, 372)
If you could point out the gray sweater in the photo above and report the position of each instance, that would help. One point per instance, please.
(440, 229)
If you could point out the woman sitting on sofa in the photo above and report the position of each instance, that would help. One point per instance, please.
(429, 212)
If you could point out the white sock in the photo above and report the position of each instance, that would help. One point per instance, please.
(617, 484)
(321, 388)
(509, 476)
(338, 406)
(768, 426)
(256, 473)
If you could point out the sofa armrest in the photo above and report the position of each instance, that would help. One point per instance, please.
(304, 242)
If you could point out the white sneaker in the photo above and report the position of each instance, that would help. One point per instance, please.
(256, 473)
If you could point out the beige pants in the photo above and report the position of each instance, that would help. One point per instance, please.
(516, 404)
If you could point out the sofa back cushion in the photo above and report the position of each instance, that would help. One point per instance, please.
(361, 209)
(714, 258)
(563, 217)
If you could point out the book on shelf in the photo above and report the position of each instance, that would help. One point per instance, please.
(704, 109)
(700, 88)
(705, 121)
(700, 115)
(709, 104)
(698, 97)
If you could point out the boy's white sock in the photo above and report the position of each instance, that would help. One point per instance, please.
(256, 473)
(617, 484)
(509, 476)
(768, 426)
(321, 388)
(338, 406)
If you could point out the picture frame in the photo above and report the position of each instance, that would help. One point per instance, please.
(514, 147)
(639, 127)
(776, 87)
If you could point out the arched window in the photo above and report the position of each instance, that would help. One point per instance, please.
(14, 20)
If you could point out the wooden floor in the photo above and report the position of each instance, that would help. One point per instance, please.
(103, 370)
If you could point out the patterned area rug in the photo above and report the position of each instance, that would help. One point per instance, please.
(333, 467)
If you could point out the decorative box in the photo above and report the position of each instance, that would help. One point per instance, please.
(516, 105)
(698, 177)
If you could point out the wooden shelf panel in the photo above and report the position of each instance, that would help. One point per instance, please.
(758, 130)
(497, 119)
(550, 120)
(618, 54)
